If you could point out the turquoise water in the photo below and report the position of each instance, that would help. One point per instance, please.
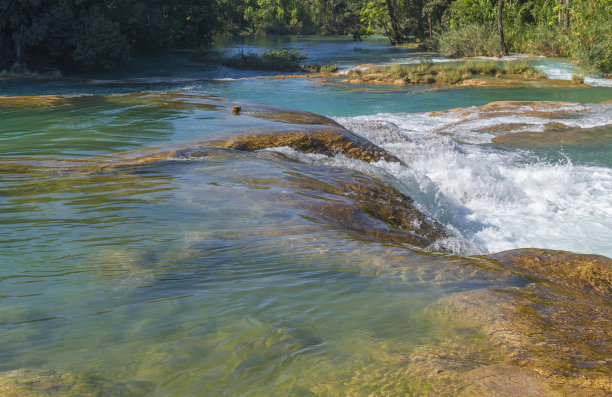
(220, 274)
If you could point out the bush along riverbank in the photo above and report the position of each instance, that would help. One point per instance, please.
(274, 60)
(428, 72)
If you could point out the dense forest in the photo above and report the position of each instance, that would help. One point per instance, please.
(102, 34)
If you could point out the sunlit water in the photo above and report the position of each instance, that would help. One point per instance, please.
(215, 276)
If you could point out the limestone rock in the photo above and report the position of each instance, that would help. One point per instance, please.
(591, 273)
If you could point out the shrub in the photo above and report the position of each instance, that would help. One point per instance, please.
(396, 71)
(541, 40)
(327, 68)
(577, 79)
(469, 41)
(280, 60)
(449, 76)
(533, 73)
(592, 36)
(516, 67)
(479, 67)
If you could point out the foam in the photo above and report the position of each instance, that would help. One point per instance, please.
(496, 199)
(565, 70)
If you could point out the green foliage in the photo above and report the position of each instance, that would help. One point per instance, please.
(546, 40)
(97, 41)
(396, 71)
(481, 12)
(44, 34)
(591, 32)
(280, 60)
(516, 67)
(450, 76)
(479, 67)
(47, 34)
(327, 68)
(534, 27)
(577, 78)
(469, 41)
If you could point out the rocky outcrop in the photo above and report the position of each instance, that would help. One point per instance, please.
(328, 141)
(555, 135)
(555, 330)
(562, 339)
(540, 109)
(369, 207)
(590, 273)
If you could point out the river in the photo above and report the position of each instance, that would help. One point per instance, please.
(230, 272)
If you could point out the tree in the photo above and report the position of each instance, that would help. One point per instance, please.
(395, 33)
(433, 8)
(500, 27)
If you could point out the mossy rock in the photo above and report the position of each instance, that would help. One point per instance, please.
(590, 273)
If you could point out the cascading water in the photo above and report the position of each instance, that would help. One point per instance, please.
(499, 198)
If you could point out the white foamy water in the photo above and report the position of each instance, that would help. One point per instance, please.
(563, 70)
(496, 199)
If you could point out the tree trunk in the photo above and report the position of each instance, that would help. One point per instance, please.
(429, 22)
(500, 28)
(396, 32)
(567, 14)
(560, 10)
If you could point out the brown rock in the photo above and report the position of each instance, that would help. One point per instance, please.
(561, 342)
(323, 140)
(591, 273)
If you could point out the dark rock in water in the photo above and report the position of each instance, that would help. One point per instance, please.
(325, 140)
(372, 208)
(591, 273)
(236, 110)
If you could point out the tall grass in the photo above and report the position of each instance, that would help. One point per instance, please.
(479, 67)
(446, 73)
(280, 60)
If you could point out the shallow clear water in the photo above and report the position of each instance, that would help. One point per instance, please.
(219, 275)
